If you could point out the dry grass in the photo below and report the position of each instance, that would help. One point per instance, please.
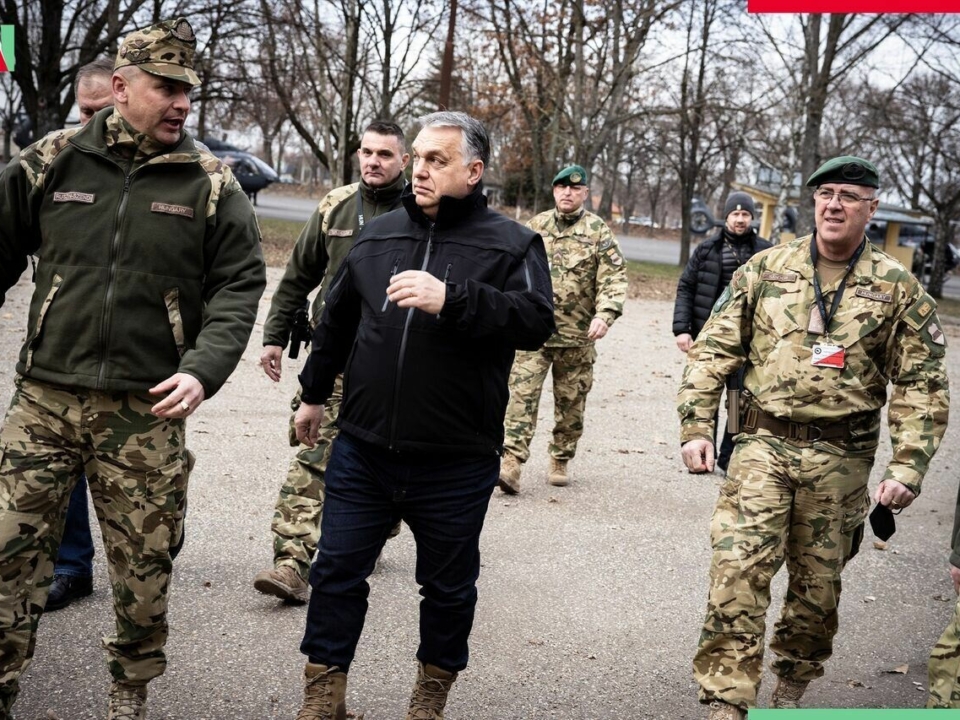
(648, 281)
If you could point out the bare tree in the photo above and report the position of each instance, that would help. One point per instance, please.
(815, 53)
(52, 40)
(915, 132)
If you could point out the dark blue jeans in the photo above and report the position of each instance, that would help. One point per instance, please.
(443, 499)
(76, 547)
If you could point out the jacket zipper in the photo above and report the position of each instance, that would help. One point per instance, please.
(403, 350)
(111, 280)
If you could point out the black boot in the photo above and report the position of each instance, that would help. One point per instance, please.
(65, 589)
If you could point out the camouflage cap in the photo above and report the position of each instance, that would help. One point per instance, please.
(846, 169)
(165, 49)
(571, 175)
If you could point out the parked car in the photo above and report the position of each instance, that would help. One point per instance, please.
(252, 173)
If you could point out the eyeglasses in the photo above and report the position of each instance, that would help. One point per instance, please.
(847, 199)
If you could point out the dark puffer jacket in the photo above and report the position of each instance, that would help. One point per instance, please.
(700, 284)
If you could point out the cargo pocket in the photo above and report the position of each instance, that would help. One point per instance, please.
(164, 507)
(852, 530)
(172, 299)
(47, 301)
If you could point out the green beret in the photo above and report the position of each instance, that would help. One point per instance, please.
(846, 169)
(165, 49)
(572, 175)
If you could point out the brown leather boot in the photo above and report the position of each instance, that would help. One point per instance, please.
(127, 702)
(722, 711)
(510, 467)
(787, 693)
(558, 472)
(283, 582)
(430, 693)
(324, 693)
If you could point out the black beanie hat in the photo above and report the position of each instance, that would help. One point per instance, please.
(739, 201)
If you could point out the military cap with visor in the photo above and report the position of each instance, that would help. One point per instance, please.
(166, 49)
(571, 175)
(846, 169)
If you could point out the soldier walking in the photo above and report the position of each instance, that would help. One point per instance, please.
(147, 285)
(821, 326)
(589, 286)
(323, 244)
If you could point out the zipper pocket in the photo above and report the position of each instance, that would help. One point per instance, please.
(386, 300)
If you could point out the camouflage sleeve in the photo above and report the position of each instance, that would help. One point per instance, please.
(920, 400)
(303, 274)
(611, 278)
(717, 352)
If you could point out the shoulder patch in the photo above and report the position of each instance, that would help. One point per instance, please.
(770, 276)
(920, 312)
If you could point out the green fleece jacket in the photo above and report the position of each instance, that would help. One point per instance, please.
(149, 259)
(323, 244)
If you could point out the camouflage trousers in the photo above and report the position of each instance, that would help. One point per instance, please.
(779, 502)
(136, 465)
(296, 516)
(943, 670)
(572, 380)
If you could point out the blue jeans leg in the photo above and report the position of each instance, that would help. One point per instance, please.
(444, 501)
(76, 547)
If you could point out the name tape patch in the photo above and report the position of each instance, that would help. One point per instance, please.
(74, 196)
(336, 232)
(776, 277)
(182, 210)
(871, 295)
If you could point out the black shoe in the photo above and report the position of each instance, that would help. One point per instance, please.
(66, 588)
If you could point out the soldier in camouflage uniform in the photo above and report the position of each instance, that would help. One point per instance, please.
(822, 325)
(147, 285)
(944, 667)
(589, 287)
(321, 247)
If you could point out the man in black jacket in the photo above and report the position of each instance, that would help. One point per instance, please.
(707, 273)
(423, 319)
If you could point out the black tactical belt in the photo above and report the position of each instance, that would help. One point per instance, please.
(756, 419)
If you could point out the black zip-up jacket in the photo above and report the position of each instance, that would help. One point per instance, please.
(699, 285)
(415, 381)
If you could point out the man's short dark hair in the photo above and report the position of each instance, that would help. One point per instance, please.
(101, 67)
(387, 127)
(476, 142)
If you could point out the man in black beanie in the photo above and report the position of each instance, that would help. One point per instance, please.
(708, 272)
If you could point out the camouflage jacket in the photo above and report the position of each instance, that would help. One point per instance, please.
(148, 264)
(588, 274)
(887, 325)
(323, 244)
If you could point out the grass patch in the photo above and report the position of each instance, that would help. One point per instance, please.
(279, 237)
(649, 281)
(652, 281)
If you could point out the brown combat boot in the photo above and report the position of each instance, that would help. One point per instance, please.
(787, 693)
(558, 472)
(283, 582)
(430, 693)
(127, 702)
(722, 711)
(324, 693)
(510, 467)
